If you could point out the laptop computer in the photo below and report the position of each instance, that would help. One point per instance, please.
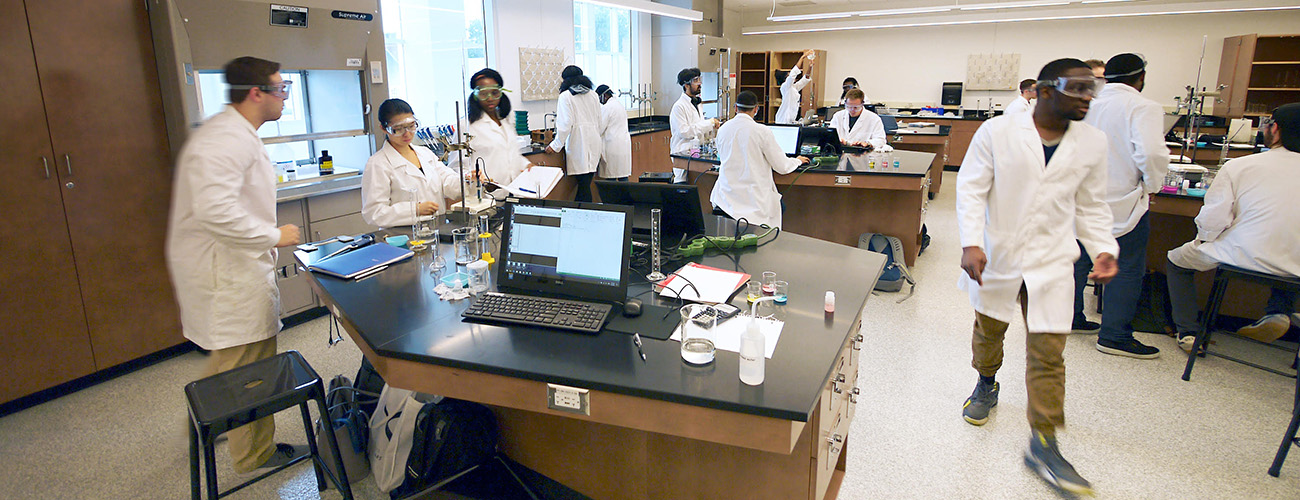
(562, 265)
(681, 215)
(827, 139)
(787, 136)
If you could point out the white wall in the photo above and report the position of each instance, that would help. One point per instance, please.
(908, 65)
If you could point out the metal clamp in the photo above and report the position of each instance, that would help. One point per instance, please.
(857, 342)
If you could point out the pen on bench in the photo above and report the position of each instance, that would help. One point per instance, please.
(636, 339)
(529, 191)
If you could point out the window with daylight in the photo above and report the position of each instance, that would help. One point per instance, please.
(603, 41)
(432, 47)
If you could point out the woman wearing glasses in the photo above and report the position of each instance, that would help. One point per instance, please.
(398, 168)
(492, 131)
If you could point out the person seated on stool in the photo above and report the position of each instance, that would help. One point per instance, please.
(1249, 220)
(856, 126)
(398, 167)
(749, 153)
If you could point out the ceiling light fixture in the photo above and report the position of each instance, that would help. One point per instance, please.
(649, 7)
(894, 12)
(1105, 1)
(1014, 5)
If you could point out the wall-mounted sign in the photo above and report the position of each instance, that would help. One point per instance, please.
(288, 15)
(352, 16)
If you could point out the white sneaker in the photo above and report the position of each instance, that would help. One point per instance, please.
(1267, 328)
(1187, 342)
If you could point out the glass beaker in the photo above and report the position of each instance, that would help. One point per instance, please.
(782, 289)
(769, 280)
(421, 229)
(479, 277)
(753, 290)
(437, 263)
(697, 325)
(466, 243)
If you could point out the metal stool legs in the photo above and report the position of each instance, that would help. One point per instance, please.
(1290, 438)
(1207, 320)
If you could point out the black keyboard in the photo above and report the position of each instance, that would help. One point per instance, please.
(587, 317)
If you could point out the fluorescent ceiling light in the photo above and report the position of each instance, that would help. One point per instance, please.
(1105, 1)
(811, 17)
(1014, 5)
(893, 12)
(865, 13)
(1022, 19)
(649, 7)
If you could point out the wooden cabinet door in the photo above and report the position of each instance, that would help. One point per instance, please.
(43, 337)
(99, 81)
(660, 154)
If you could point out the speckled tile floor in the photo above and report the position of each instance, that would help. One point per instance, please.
(1134, 428)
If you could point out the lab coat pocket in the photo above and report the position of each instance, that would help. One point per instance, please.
(245, 300)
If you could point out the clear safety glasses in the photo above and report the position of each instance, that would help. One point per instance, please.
(404, 127)
(493, 92)
(1081, 87)
(280, 90)
(1265, 122)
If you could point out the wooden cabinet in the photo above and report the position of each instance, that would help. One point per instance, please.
(651, 153)
(1259, 72)
(87, 193)
(320, 217)
(754, 72)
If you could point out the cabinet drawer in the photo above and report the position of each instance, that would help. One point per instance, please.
(290, 212)
(295, 291)
(349, 224)
(329, 206)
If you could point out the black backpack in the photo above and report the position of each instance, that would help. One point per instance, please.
(451, 437)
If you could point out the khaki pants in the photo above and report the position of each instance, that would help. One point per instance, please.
(250, 445)
(1044, 367)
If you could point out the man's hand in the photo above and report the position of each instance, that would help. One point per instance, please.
(803, 160)
(549, 150)
(715, 122)
(1104, 267)
(426, 208)
(973, 261)
(290, 235)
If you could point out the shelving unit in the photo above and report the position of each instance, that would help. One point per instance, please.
(812, 94)
(1261, 72)
(752, 74)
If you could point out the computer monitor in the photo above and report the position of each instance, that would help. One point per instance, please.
(681, 215)
(559, 248)
(827, 138)
(788, 137)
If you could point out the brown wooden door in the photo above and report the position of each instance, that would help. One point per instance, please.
(43, 337)
(100, 84)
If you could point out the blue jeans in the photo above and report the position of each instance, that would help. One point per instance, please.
(1120, 296)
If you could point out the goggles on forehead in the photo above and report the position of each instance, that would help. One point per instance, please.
(1140, 69)
(280, 90)
(1076, 86)
(490, 92)
(404, 126)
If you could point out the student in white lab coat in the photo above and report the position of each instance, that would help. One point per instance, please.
(491, 128)
(1029, 185)
(851, 83)
(1137, 163)
(791, 86)
(1023, 103)
(856, 126)
(398, 167)
(222, 240)
(616, 157)
(687, 125)
(1250, 219)
(577, 130)
(749, 154)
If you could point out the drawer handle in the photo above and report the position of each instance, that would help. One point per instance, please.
(839, 378)
(857, 342)
(853, 398)
(46, 163)
(833, 441)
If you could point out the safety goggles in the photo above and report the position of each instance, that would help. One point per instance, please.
(492, 92)
(280, 90)
(850, 87)
(1264, 122)
(404, 127)
(854, 107)
(1081, 87)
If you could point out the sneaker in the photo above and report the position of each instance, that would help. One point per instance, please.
(1131, 348)
(283, 454)
(1186, 341)
(976, 409)
(1267, 328)
(1085, 326)
(1045, 459)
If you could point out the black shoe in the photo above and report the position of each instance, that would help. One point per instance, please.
(1131, 348)
(976, 409)
(1045, 459)
(1085, 326)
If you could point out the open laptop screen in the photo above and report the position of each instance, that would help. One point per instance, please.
(578, 250)
(788, 137)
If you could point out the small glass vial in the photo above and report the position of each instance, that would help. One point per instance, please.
(479, 277)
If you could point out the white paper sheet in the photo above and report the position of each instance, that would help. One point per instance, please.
(726, 336)
(711, 285)
(536, 182)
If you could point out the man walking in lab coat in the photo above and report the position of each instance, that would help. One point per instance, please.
(688, 127)
(1028, 187)
(222, 241)
(748, 154)
(1137, 162)
(616, 157)
(1249, 220)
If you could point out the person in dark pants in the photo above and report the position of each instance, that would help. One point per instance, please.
(1136, 162)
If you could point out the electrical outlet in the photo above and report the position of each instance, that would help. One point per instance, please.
(570, 399)
(842, 180)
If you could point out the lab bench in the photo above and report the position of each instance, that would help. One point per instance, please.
(322, 207)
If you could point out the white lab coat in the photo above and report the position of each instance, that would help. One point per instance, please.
(222, 234)
(384, 200)
(1138, 158)
(790, 88)
(577, 131)
(1250, 218)
(1019, 105)
(616, 158)
(498, 146)
(689, 129)
(1026, 217)
(749, 154)
(868, 129)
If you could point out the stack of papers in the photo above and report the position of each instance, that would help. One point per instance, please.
(711, 285)
(536, 182)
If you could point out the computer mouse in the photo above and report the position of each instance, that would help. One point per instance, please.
(632, 308)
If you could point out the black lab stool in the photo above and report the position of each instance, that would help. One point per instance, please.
(240, 396)
(1222, 276)
(1291, 431)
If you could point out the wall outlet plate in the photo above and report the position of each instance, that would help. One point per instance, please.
(568, 399)
(842, 180)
